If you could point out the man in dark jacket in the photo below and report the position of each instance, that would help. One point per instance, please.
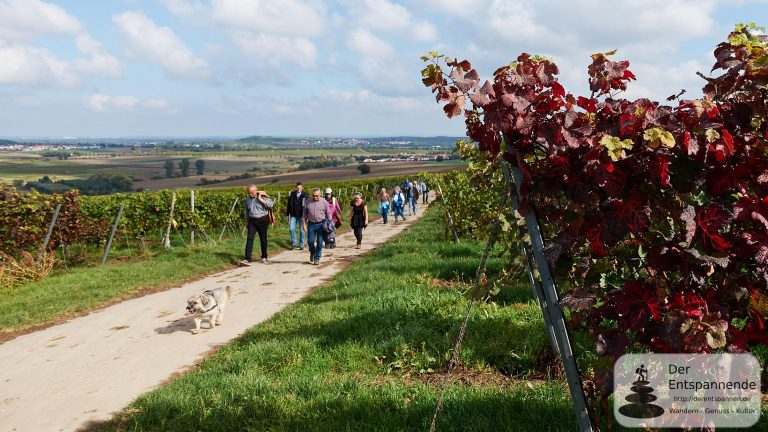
(295, 211)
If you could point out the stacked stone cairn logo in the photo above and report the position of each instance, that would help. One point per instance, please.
(640, 399)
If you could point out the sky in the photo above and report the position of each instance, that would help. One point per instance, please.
(184, 68)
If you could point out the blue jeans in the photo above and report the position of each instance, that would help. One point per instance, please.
(399, 211)
(412, 205)
(315, 235)
(293, 222)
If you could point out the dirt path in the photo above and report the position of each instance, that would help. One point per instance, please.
(71, 375)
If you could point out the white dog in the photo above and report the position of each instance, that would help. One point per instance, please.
(209, 305)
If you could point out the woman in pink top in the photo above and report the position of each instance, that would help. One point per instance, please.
(335, 210)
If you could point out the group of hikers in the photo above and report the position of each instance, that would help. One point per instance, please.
(317, 217)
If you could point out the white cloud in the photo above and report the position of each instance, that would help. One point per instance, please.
(365, 43)
(273, 50)
(276, 17)
(453, 7)
(387, 17)
(185, 8)
(29, 65)
(424, 31)
(24, 65)
(101, 102)
(380, 67)
(363, 101)
(100, 61)
(145, 41)
(656, 82)
(384, 16)
(27, 19)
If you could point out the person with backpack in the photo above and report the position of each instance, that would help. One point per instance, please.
(398, 203)
(424, 191)
(407, 191)
(335, 209)
(384, 204)
(414, 197)
(316, 213)
(258, 216)
(358, 217)
(294, 211)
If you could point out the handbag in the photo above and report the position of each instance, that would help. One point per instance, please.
(328, 226)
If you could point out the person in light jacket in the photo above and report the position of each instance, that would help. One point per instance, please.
(398, 203)
(315, 214)
(257, 207)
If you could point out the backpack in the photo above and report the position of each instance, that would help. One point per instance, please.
(415, 193)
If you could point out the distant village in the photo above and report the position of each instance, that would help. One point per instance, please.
(45, 147)
(406, 157)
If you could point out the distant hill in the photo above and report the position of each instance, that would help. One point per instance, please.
(7, 142)
(267, 140)
(391, 141)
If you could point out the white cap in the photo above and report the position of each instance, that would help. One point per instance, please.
(328, 190)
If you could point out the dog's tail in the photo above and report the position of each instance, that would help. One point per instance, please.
(229, 291)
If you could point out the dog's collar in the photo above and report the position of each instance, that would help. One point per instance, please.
(215, 303)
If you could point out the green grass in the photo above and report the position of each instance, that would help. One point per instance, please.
(355, 355)
(75, 290)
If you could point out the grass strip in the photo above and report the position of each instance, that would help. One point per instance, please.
(360, 353)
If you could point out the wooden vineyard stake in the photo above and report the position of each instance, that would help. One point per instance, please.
(112, 235)
(50, 230)
(228, 217)
(192, 207)
(167, 238)
(553, 314)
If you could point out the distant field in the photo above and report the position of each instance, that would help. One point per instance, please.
(347, 172)
(31, 167)
(268, 165)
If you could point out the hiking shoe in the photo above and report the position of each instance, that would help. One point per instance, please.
(244, 263)
(311, 260)
(359, 246)
(264, 261)
(316, 262)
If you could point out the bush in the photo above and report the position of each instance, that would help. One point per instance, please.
(18, 271)
(364, 169)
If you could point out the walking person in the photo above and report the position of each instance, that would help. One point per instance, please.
(295, 211)
(398, 203)
(257, 208)
(414, 197)
(358, 217)
(336, 212)
(384, 204)
(315, 214)
(424, 191)
(407, 191)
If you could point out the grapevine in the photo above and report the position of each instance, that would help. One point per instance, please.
(655, 215)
